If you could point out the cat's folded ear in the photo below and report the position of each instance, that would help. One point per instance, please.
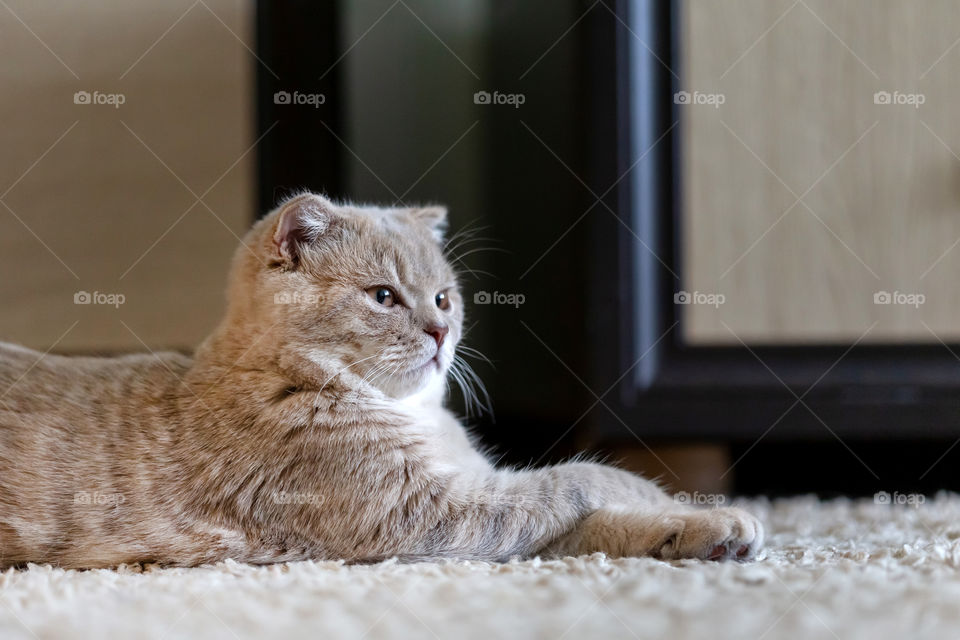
(302, 220)
(435, 217)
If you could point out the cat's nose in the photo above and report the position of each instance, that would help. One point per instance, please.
(439, 332)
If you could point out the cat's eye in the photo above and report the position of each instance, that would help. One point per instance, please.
(382, 295)
(443, 300)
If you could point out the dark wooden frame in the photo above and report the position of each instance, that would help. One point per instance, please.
(725, 393)
(298, 46)
(676, 391)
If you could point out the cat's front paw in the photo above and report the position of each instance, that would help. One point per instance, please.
(705, 534)
(710, 534)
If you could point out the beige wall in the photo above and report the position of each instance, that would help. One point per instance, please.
(799, 81)
(99, 201)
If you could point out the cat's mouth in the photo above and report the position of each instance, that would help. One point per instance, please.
(432, 363)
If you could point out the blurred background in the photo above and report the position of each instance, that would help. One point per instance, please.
(715, 240)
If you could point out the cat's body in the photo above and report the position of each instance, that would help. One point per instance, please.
(309, 425)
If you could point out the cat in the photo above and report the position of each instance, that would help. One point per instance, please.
(309, 425)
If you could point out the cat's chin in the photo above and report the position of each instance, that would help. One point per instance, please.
(415, 380)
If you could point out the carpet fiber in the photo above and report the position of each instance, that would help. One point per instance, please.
(846, 569)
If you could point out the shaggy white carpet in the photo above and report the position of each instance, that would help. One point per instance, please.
(840, 569)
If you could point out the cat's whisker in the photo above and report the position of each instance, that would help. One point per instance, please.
(464, 389)
(488, 406)
(465, 242)
(371, 371)
(455, 238)
(471, 386)
(475, 353)
(476, 273)
(375, 371)
(471, 375)
(385, 371)
(327, 381)
(461, 241)
(459, 258)
(466, 232)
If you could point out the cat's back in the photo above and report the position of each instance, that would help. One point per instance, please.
(79, 437)
(14, 356)
(32, 381)
(59, 415)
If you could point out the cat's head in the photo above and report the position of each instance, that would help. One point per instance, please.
(365, 289)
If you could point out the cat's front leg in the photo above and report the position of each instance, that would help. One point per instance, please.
(706, 534)
(570, 509)
(497, 514)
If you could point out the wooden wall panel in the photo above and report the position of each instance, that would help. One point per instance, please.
(878, 184)
(98, 201)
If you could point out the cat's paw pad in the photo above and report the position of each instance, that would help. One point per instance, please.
(712, 534)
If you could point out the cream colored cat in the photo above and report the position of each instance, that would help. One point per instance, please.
(309, 425)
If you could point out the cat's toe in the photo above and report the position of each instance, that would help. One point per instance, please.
(719, 552)
(719, 534)
(730, 551)
(746, 536)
